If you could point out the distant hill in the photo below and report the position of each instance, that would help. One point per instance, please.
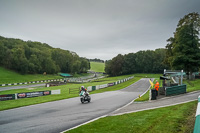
(97, 66)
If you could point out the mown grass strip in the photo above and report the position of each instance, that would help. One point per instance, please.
(173, 119)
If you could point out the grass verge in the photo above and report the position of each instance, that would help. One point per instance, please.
(193, 86)
(173, 119)
(143, 98)
(8, 76)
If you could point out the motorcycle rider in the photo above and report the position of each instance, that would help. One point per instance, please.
(84, 95)
(84, 89)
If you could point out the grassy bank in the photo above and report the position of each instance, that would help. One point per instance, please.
(8, 76)
(97, 66)
(173, 119)
(64, 92)
(192, 85)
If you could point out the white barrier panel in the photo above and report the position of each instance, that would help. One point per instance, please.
(103, 86)
(106, 85)
(55, 92)
(97, 87)
(89, 88)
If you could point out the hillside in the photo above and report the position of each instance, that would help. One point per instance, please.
(97, 66)
(8, 76)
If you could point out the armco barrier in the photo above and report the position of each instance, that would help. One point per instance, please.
(197, 121)
(175, 90)
(92, 88)
(89, 88)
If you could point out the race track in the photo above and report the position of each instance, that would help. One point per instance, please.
(57, 116)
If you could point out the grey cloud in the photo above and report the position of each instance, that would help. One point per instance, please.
(95, 29)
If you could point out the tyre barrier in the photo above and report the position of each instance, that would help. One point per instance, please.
(197, 121)
(92, 88)
(28, 94)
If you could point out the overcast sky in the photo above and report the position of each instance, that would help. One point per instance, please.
(95, 28)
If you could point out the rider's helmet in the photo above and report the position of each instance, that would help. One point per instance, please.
(82, 88)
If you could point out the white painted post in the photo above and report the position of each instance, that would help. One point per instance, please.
(181, 77)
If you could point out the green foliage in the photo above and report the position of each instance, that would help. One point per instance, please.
(35, 57)
(96, 60)
(183, 50)
(141, 62)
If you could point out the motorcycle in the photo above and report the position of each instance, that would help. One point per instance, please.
(84, 96)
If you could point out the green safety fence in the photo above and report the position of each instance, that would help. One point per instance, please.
(197, 121)
(175, 90)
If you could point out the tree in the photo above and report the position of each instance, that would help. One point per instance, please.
(85, 64)
(129, 66)
(76, 67)
(117, 65)
(108, 66)
(183, 51)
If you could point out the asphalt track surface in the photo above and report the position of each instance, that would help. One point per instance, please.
(57, 116)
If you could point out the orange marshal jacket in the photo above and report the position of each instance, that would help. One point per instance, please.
(157, 86)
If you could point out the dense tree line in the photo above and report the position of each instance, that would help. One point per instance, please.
(97, 60)
(148, 61)
(35, 57)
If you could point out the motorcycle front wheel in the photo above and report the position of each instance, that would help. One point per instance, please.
(82, 100)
